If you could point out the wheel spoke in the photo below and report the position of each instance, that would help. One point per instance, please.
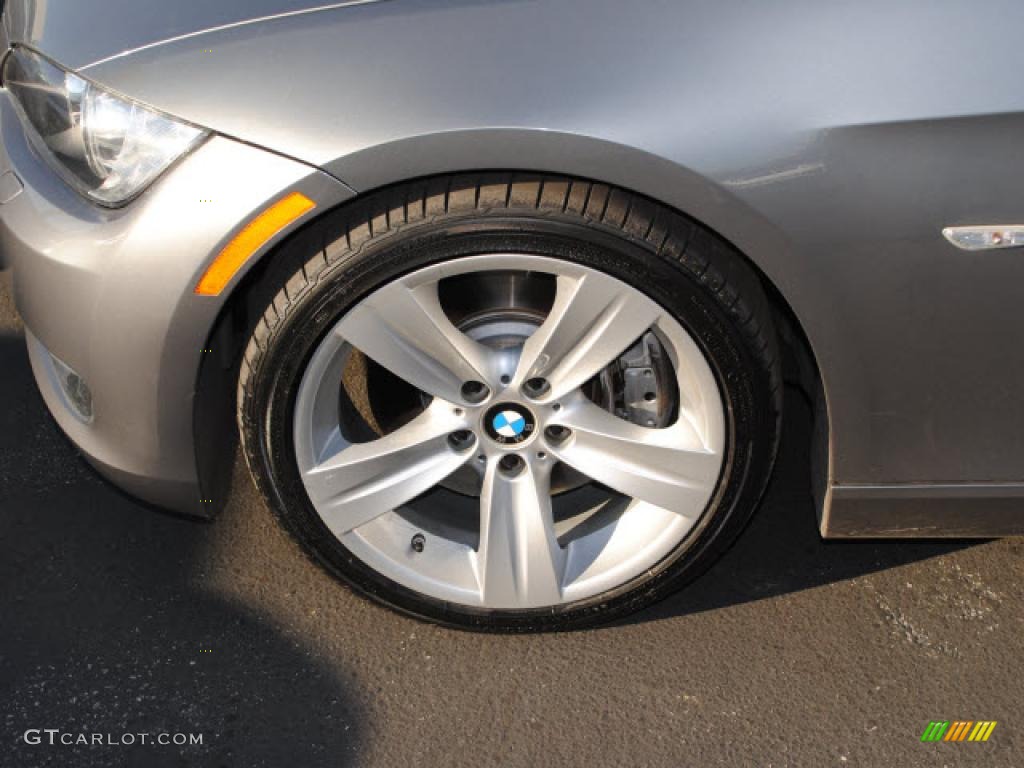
(594, 319)
(365, 480)
(404, 329)
(670, 468)
(520, 563)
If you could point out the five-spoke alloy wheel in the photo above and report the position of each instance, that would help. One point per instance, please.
(507, 417)
(511, 406)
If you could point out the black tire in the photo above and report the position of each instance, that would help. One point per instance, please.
(702, 280)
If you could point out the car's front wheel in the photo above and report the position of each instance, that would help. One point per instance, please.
(513, 404)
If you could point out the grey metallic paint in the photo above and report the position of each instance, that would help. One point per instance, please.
(115, 27)
(831, 142)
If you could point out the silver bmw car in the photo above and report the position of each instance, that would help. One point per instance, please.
(502, 295)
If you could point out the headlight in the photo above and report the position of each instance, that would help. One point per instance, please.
(107, 147)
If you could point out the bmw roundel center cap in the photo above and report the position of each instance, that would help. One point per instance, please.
(507, 423)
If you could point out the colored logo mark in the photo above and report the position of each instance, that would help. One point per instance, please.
(509, 424)
(959, 730)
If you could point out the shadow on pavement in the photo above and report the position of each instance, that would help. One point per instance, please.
(781, 550)
(105, 626)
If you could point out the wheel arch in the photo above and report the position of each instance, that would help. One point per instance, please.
(478, 152)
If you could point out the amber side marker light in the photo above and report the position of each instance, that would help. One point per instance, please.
(255, 235)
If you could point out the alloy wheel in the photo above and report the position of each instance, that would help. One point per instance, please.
(509, 431)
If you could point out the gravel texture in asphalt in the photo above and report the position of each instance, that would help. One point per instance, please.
(118, 619)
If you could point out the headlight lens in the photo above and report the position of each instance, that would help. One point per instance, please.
(105, 146)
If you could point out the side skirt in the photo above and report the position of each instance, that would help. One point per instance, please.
(976, 510)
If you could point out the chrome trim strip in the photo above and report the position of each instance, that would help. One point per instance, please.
(987, 237)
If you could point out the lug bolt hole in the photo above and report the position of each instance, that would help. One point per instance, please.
(541, 455)
(505, 379)
(650, 397)
(474, 392)
(557, 434)
(461, 439)
(536, 387)
(419, 541)
(511, 464)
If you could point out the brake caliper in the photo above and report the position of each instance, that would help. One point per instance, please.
(642, 383)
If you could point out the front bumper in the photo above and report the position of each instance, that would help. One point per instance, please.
(110, 292)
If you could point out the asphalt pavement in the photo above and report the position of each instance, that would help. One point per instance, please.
(118, 619)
